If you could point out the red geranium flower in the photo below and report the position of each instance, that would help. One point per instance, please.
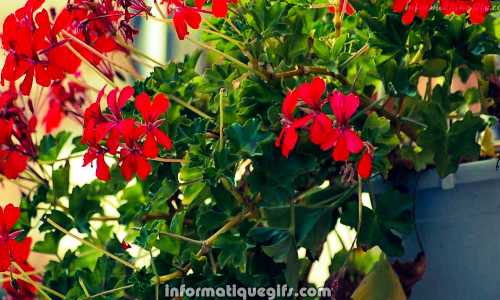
(63, 102)
(412, 8)
(133, 160)
(479, 10)
(150, 112)
(8, 218)
(34, 50)
(311, 94)
(184, 16)
(343, 138)
(288, 136)
(114, 120)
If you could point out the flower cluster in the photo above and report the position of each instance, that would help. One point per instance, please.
(324, 131)
(64, 101)
(133, 141)
(34, 48)
(16, 129)
(14, 255)
(477, 9)
(185, 15)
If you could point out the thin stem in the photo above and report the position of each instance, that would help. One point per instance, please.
(182, 238)
(170, 277)
(100, 55)
(168, 160)
(229, 187)
(111, 291)
(190, 107)
(84, 288)
(141, 54)
(226, 56)
(153, 266)
(42, 288)
(221, 119)
(105, 252)
(227, 38)
(90, 65)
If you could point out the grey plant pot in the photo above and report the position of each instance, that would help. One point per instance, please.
(459, 226)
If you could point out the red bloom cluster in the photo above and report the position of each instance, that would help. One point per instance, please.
(326, 132)
(185, 15)
(16, 129)
(477, 9)
(134, 141)
(11, 251)
(64, 101)
(34, 49)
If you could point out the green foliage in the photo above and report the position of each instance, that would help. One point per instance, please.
(240, 208)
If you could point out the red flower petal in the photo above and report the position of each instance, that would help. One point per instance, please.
(290, 139)
(150, 147)
(219, 8)
(102, 171)
(163, 139)
(354, 142)
(53, 117)
(128, 167)
(20, 250)
(365, 165)
(142, 104)
(159, 106)
(143, 167)
(340, 152)
(10, 215)
(320, 129)
(289, 104)
(5, 130)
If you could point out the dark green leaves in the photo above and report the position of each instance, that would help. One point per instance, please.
(60, 180)
(247, 139)
(51, 146)
(386, 224)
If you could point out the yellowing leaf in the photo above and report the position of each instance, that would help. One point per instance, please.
(487, 144)
(382, 283)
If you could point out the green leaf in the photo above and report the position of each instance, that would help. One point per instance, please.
(248, 138)
(83, 203)
(434, 67)
(50, 146)
(233, 252)
(281, 246)
(382, 283)
(386, 224)
(60, 180)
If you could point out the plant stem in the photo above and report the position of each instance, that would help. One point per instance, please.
(168, 160)
(42, 288)
(229, 187)
(190, 107)
(153, 266)
(141, 54)
(111, 291)
(99, 73)
(100, 55)
(105, 252)
(226, 56)
(221, 119)
(182, 238)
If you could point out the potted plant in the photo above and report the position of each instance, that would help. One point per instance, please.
(227, 174)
